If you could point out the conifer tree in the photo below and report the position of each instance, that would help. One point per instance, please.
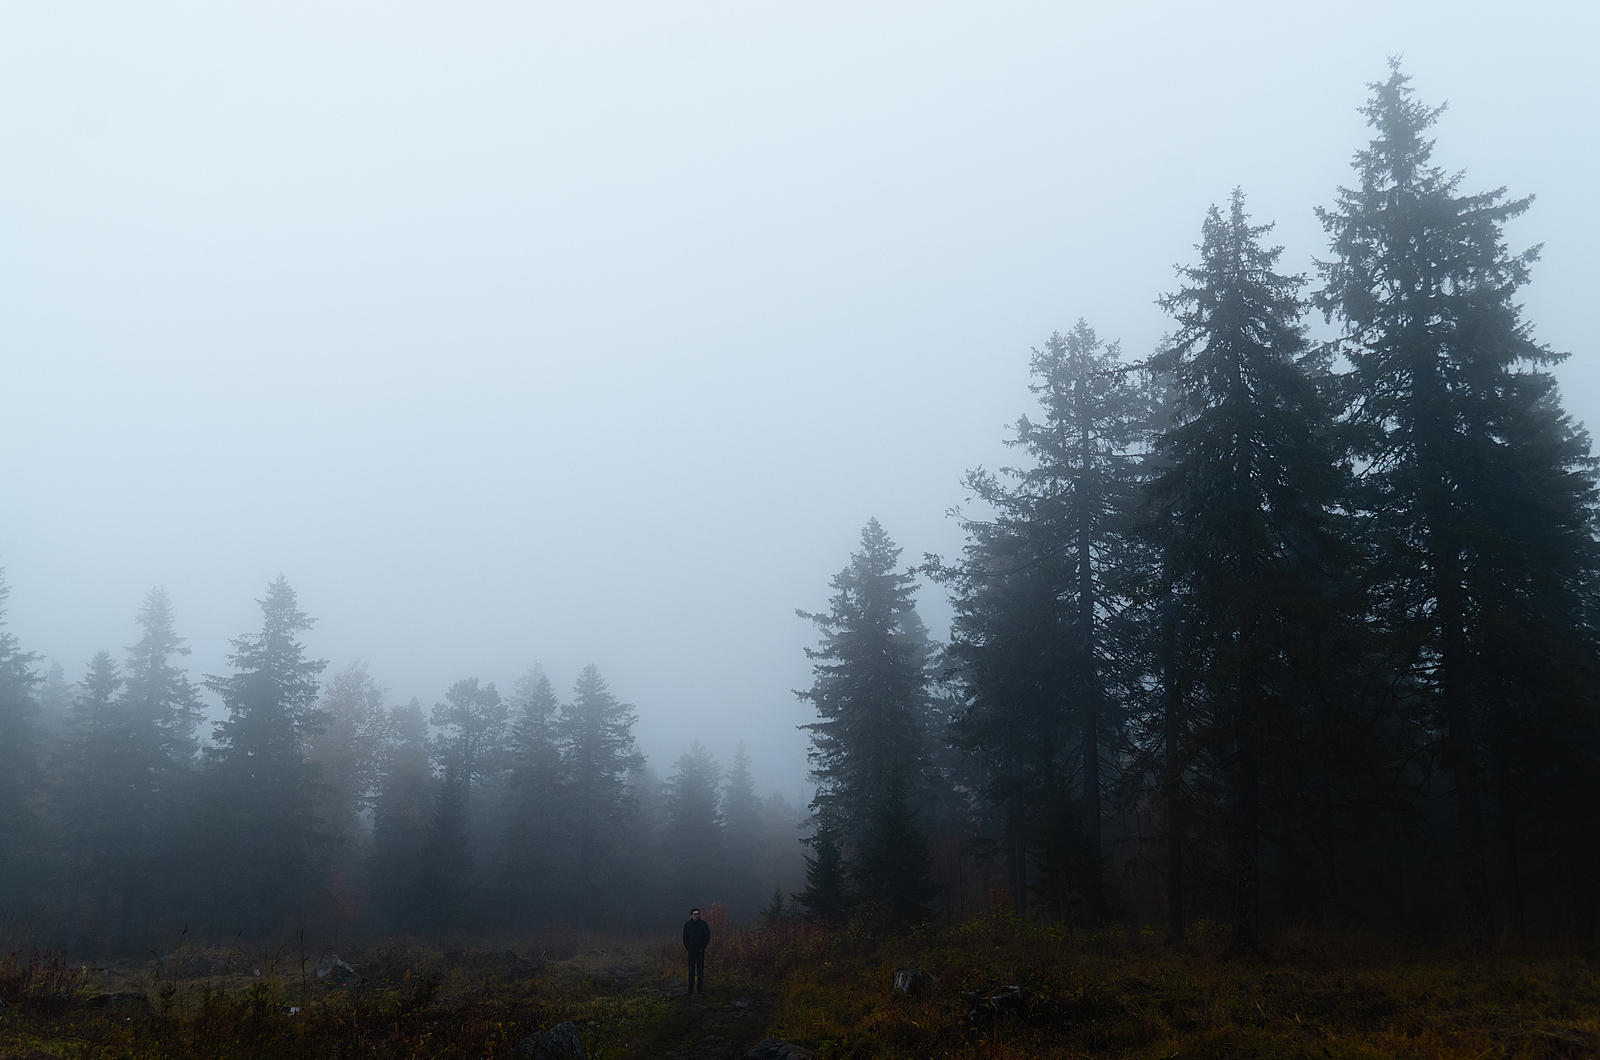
(775, 911)
(694, 839)
(828, 896)
(149, 759)
(159, 695)
(741, 814)
(1480, 488)
(891, 868)
(1243, 499)
(444, 885)
(97, 830)
(404, 808)
(1041, 636)
(597, 753)
(18, 765)
(473, 720)
(258, 827)
(870, 690)
(350, 750)
(535, 831)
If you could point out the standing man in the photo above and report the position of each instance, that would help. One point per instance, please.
(696, 937)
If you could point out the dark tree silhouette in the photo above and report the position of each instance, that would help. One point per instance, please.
(695, 844)
(828, 896)
(1243, 499)
(535, 833)
(1480, 488)
(597, 753)
(870, 689)
(257, 823)
(19, 870)
(1041, 637)
(404, 808)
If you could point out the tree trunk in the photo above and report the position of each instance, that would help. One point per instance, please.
(1088, 671)
(1434, 429)
(1247, 838)
(1172, 782)
(1506, 840)
(1460, 756)
(1094, 839)
(1017, 863)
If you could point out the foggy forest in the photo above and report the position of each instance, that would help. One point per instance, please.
(1256, 627)
(1288, 624)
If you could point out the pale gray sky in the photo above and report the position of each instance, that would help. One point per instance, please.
(595, 332)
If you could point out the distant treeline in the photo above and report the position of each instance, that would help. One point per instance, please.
(1257, 626)
(316, 805)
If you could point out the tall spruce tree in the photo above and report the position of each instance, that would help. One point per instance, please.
(1480, 488)
(535, 830)
(597, 753)
(441, 895)
(350, 750)
(828, 896)
(695, 844)
(1249, 476)
(473, 720)
(155, 719)
(97, 826)
(257, 830)
(741, 814)
(401, 815)
(1041, 641)
(891, 865)
(19, 869)
(870, 689)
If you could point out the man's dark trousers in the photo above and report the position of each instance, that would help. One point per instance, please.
(697, 969)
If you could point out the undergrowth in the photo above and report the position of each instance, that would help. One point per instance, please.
(1111, 992)
(1119, 992)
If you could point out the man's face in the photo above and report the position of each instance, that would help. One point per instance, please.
(694, 914)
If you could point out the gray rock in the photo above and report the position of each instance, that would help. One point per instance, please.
(988, 1004)
(773, 1049)
(331, 967)
(560, 1042)
(913, 982)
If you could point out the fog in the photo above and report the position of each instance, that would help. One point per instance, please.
(519, 333)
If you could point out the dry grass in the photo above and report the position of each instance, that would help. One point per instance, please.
(1122, 993)
(1106, 993)
(411, 1001)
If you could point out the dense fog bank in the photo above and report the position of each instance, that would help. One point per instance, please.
(1255, 628)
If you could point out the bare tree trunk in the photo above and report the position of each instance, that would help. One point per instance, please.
(1460, 756)
(1017, 867)
(1088, 671)
(1247, 839)
(1506, 840)
(1172, 782)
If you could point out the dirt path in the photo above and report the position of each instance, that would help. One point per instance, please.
(721, 1024)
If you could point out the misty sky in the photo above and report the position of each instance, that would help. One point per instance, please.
(592, 332)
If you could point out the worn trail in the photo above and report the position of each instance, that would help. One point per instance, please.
(721, 1024)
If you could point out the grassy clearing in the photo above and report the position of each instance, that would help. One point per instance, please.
(1119, 993)
(1106, 993)
(411, 1001)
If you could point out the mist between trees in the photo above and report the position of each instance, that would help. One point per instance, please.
(1257, 629)
(319, 806)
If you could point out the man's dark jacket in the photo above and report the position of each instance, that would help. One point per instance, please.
(696, 934)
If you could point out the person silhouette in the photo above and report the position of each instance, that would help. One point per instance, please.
(696, 937)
